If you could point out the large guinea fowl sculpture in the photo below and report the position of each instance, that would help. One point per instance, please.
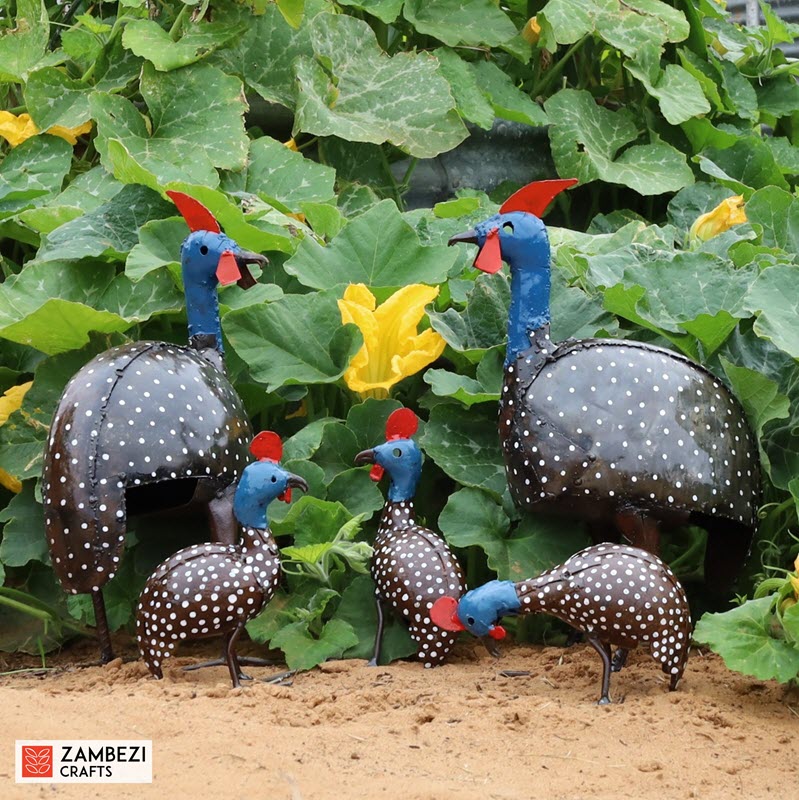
(617, 595)
(148, 426)
(212, 589)
(411, 566)
(615, 432)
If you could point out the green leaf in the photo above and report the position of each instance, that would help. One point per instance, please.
(292, 11)
(470, 99)
(472, 517)
(303, 651)
(336, 451)
(575, 314)
(32, 171)
(22, 47)
(777, 211)
(23, 532)
(352, 90)
(158, 246)
(465, 444)
(377, 248)
(484, 389)
(586, 142)
(452, 209)
(297, 339)
(264, 56)
(678, 93)
(507, 100)
(774, 299)
(306, 441)
(275, 172)
(367, 421)
(313, 521)
(196, 119)
(146, 38)
(742, 637)
(357, 608)
(355, 490)
(460, 22)
(748, 164)
(385, 10)
(779, 96)
(111, 229)
(482, 324)
(55, 99)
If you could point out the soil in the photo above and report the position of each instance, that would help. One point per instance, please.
(461, 731)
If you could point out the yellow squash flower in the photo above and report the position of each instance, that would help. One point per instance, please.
(9, 403)
(531, 31)
(392, 348)
(727, 213)
(795, 578)
(16, 129)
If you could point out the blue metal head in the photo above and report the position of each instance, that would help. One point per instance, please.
(399, 456)
(263, 482)
(481, 609)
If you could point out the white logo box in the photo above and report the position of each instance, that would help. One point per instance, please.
(84, 761)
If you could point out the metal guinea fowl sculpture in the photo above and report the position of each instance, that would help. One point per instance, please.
(212, 589)
(617, 595)
(148, 426)
(615, 432)
(411, 566)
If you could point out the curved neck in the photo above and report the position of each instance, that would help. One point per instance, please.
(202, 309)
(529, 306)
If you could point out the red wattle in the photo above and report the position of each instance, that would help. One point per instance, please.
(497, 632)
(286, 496)
(376, 472)
(489, 259)
(227, 271)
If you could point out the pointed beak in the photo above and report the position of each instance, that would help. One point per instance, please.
(294, 482)
(368, 457)
(468, 237)
(491, 645)
(243, 258)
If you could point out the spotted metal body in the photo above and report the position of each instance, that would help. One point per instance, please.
(204, 591)
(212, 589)
(617, 595)
(620, 433)
(411, 566)
(139, 414)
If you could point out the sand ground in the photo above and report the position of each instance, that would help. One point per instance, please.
(460, 731)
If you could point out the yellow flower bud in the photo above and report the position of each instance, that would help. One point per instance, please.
(9, 403)
(16, 129)
(531, 31)
(291, 145)
(727, 213)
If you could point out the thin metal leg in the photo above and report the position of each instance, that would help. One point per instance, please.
(619, 659)
(379, 635)
(230, 652)
(604, 653)
(101, 621)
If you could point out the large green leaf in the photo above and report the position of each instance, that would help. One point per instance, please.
(111, 229)
(482, 324)
(742, 637)
(777, 211)
(22, 47)
(748, 164)
(158, 246)
(55, 99)
(146, 38)
(465, 444)
(304, 651)
(507, 100)
(460, 22)
(264, 56)
(352, 90)
(774, 299)
(377, 248)
(367, 421)
(31, 172)
(470, 99)
(196, 124)
(473, 517)
(587, 143)
(385, 10)
(628, 26)
(23, 532)
(297, 339)
(277, 173)
(483, 388)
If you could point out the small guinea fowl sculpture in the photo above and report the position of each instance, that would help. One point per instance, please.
(148, 426)
(213, 589)
(615, 432)
(411, 566)
(617, 595)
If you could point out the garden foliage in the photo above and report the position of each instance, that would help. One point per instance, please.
(662, 110)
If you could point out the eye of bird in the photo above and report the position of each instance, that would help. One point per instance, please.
(204, 250)
(508, 228)
(396, 452)
(274, 479)
(470, 620)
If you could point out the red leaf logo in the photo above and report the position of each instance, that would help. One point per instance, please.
(37, 761)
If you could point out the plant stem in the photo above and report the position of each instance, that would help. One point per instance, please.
(173, 31)
(554, 73)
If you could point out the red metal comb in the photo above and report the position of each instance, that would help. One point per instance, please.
(444, 613)
(402, 424)
(266, 446)
(535, 197)
(197, 216)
